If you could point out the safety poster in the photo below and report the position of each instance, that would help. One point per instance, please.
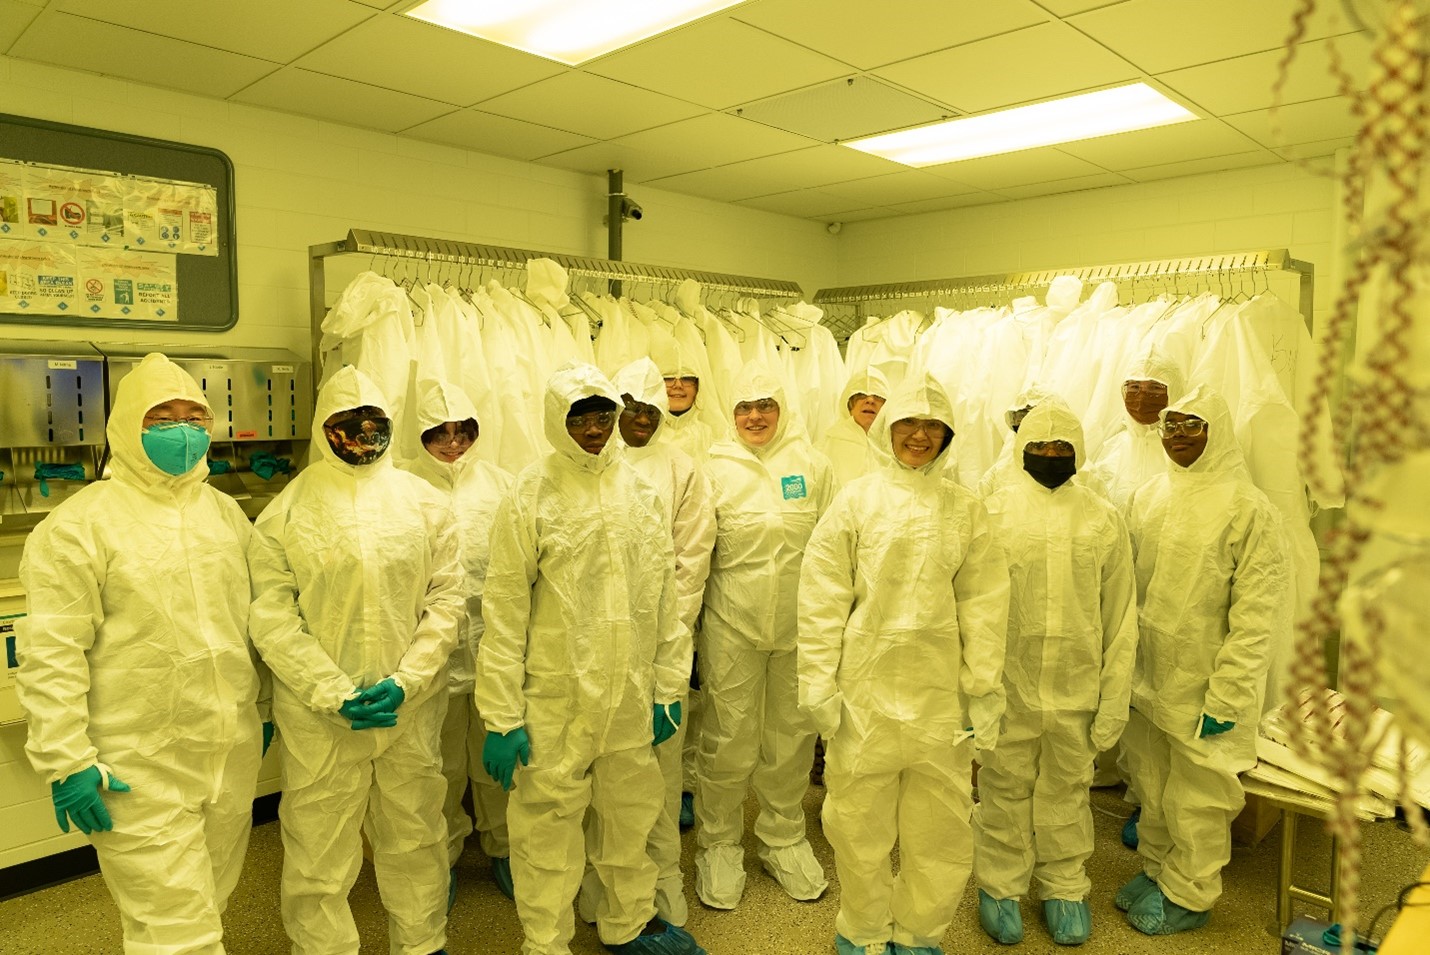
(46, 278)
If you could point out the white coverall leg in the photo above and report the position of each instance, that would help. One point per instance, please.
(567, 774)
(183, 808)
(753, 731)
(1033, 815)
(1190, 795)
(918, 794)
(335, 779)
(664, 844)
(463, 735)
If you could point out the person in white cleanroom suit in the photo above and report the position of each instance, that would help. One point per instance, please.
(846, 444)
(686, 496)
(580, 669)
(1133, 455)
(770, 487)
(1212, 575)
(358, 597)
(1072, 638)
(136, 675)
(449, 427)
(903, 600)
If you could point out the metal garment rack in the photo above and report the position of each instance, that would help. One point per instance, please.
(455, 253)
(1151, 272)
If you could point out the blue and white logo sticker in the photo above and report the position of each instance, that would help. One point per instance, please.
(793, 487)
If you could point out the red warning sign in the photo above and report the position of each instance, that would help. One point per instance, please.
(94, 286)
(72, 213)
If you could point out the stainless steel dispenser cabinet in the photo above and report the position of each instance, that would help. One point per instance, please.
(52, 415)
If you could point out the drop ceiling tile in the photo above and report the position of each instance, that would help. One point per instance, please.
(1314, 150)
(900, 29)
(1162, 35)
(1164, 144)
(15, 18)
(89, 45)
(640, 165)
(1015, 169)
(329, 97)
(416, 57)
(1066, 8)
(806, 203)
(1037, 63)
(718, 63)
(276, 30)
(1076, 184)
(947, 202)
(591, 105)
(1192, 167)
(844, 109)
(498, 135)
(801, 168)
(714, 140)
(908, 186)
(380, 4)
(864, 215)
(1298, 123)
(1244, 83)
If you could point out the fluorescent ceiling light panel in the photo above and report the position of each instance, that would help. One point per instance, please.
(568, 31)
(1085, 116)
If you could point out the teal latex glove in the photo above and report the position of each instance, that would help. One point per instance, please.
(1211, 727)
(665, 720)
(267, 737)
(368, 708)
(77, 797)
(500, 753)
(384, 697)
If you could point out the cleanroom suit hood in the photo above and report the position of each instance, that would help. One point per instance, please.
(1133, 454)
(1212, 582)
(134, 654)
(1072, 638)
(581, 641)
(1010, 459)
(695, 430)
(903, 602)
(846, 444)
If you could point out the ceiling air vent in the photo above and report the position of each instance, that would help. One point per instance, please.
(844, 109)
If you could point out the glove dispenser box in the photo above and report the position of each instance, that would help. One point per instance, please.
(52, 416)
(262, 399)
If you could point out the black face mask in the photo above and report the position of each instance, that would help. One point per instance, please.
(1049, 472)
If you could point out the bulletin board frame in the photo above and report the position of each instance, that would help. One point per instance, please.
(207, 284)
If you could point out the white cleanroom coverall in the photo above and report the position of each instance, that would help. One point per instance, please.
(356, 579)
(581, 640)
(767, 501)
(134, 653)
(686, 496)
(903, 600)
(474, 488)
(846, 444)
(1212, 574)
(1133, 454)
(695, 430)
(1072, 638)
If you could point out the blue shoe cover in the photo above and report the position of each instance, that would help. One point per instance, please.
(1069, 923)
(501, 873)
(673, 941)
(1128, 895)
(687, 810)
(1000, 918)
(843, 946)
(895, 947)
(1129, 829)
(451, 889)
(1155, 914)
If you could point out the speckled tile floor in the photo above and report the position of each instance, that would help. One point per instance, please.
(78, 917)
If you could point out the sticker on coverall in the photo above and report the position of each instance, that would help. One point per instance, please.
(793, 487)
